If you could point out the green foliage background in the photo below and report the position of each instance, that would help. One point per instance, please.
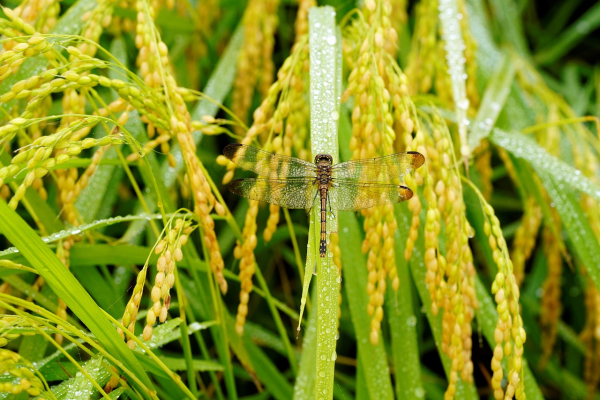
(199, 342)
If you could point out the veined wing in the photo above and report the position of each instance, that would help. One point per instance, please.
(268, 164)
(348, 195)
(381, 168)
(288, 193)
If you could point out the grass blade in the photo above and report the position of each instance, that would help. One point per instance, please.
(570, 37)
(67, 288)
(403, 330)
(496, 92)
(325, 92)
(372, 359)
(543, 162)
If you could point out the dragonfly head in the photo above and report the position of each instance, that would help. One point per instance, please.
(323, 157)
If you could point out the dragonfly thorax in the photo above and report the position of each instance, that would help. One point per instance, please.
(324, 168)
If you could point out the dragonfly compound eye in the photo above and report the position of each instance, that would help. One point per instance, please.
(321, 157)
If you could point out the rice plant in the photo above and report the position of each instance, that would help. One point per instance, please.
(128, 269)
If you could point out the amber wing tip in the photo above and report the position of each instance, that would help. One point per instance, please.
(405, 192)
(418, 159)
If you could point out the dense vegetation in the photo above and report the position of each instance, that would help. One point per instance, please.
(128, 270)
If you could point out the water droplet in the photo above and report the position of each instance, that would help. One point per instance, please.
(331, 40)
(411, 321)
(322, 374)
(582, 27)
(335, 115)
(337, 336)
(333, 356)
(419, 392)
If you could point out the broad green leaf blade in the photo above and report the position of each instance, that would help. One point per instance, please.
(496, 92)
(401, 317)
(575, 222)
(488, 55)
(67, 288)
(268, 373)
(506, 14)
(325, 92)
(179, 364)
(544, 163)
(304, 387)
(372, 359)
(80, 387)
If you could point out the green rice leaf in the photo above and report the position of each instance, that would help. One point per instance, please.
(496, 92)
(575, 222)
(544, 163)
(325, 91)
(570, 37)
(67, 288)
(372, 359)
(400, 313)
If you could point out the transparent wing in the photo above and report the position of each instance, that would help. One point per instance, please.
(347, 195)
(268, 164)
(288, 193)
(382, 168)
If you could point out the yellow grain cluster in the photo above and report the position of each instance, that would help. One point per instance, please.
(169, 254)
(380, 104)
(427, 67)
(301, 24)
(74, 102)
(37, 159)
(154, 66)
(168, 248)
(255, 68)
(245, 253)
(154, 54)
(450, 273)
(39, 15)
(280, 122)
(22, 373)
(43, 155)
(509, 334)
(11, 327)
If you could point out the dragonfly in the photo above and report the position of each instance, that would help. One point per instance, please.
(293, 183)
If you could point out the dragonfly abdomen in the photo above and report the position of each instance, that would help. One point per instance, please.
(323, 244)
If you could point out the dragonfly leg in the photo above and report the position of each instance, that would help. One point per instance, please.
(313, 203)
